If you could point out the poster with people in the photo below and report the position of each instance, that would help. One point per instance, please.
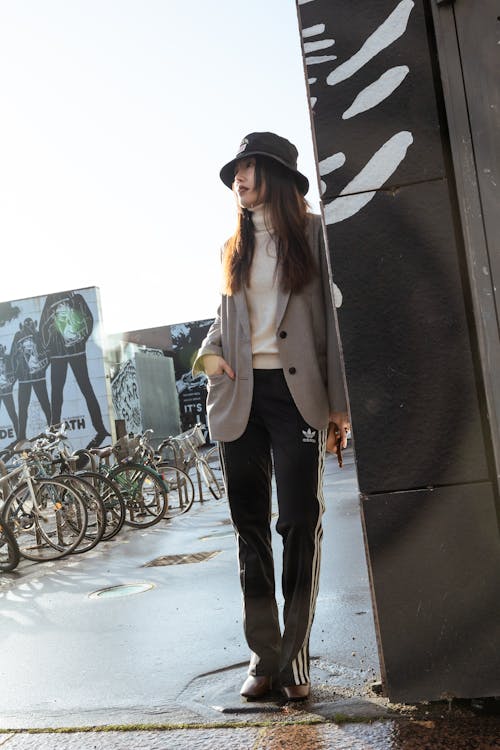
(52, 368)
(192, 391)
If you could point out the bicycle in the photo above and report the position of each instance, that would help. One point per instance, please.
(9, 550)
(43, 464)
(180, 489)
(110, 497)
(47, 516)
(213, 459)
(183, 450)
(141, 487)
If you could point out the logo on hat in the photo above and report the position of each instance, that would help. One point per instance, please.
(243, 145)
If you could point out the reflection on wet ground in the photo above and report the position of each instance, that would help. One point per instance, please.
(473, 734)
(298, 737)
(466, 734)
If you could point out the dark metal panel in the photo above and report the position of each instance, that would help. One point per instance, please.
(374, 96)
(406, 346)
(478, 29)
(394, 256)
(480, 262)
(434, 558)
(434, 554)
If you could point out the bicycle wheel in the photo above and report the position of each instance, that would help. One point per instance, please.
(9, 551)
(144, 494)
(47, 524)
(209, 478)
(212, 457)
(96, 515)
(180, 489)
(114, 505)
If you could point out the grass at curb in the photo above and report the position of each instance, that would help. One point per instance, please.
(336, 719)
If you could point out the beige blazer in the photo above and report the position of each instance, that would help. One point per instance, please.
(308, 345)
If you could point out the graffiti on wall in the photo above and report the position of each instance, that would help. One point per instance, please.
(52, 369)
(125, 396)
(367, 179)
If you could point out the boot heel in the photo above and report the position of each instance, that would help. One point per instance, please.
(256, 687)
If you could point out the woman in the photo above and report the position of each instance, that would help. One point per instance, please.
(274, 385)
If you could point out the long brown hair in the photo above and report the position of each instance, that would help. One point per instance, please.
(287, 211)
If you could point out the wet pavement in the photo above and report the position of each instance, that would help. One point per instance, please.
(162, 649)
(444, 734)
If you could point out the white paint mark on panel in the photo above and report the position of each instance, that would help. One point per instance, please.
(360, 189)
(337, 295)
(382, 164)
(346, 206)
(320, 59)
(320, 44)
(322, 187)
(393, 27)
(303, 2)
(310, 81)
(331, 163)
(377, 91)
(313, 101)
(313, 30)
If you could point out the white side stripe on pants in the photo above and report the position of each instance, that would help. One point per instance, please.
(300, 664)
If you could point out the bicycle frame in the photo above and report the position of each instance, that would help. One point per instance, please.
(24, 473)
(186, 447)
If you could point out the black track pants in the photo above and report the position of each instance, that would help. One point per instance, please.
(276, 428)
(58, 371)
(24, 397)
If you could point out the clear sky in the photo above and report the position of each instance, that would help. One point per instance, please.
(115, 118)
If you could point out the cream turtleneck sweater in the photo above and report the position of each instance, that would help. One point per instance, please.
(262, 295)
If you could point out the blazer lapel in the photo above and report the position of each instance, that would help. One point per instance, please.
(240, 302)
(283, 298)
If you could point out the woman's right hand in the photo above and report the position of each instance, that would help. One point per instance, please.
(215, 365)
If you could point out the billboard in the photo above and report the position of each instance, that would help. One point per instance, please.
(192, 391)
(180, 343)
(144, 394)
(52, 368)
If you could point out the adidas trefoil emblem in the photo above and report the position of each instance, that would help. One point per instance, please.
(309, 436)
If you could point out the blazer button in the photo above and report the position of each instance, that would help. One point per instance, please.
(282, 334)
(292, 370)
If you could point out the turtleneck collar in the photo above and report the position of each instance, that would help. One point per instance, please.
(259, 216)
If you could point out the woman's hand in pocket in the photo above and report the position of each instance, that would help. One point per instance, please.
(215, 365)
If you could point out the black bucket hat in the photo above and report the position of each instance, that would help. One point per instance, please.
(274, 147)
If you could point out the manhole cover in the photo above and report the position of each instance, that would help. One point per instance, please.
(123, 589)
(195, 557)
